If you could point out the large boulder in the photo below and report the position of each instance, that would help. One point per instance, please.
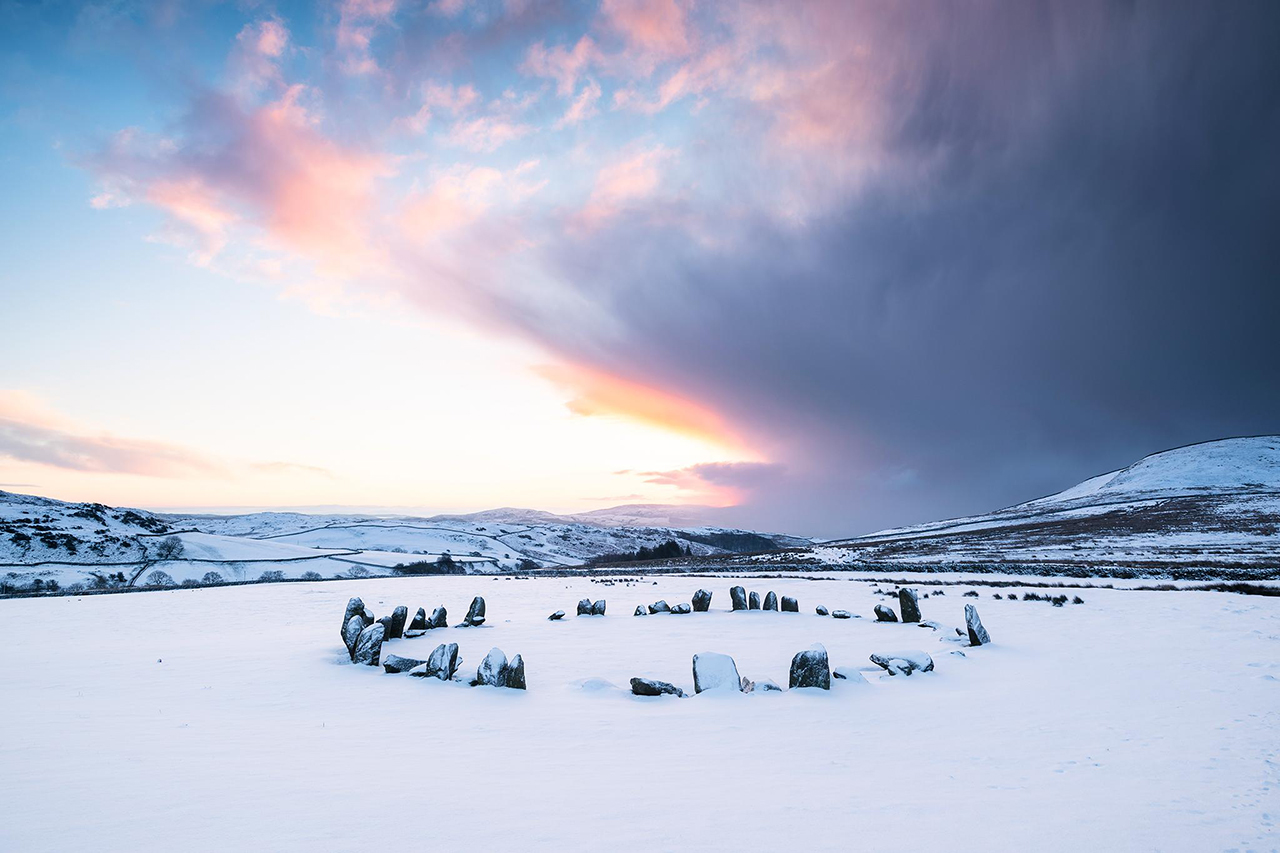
(682, 608)
(369, 645)
(811, 669)
(701, 601)
(903, 663)
(770, 601)
(738, 598)
(442, 663)
(557, 616)
(821, 610)
(584, 607)
(513, 675)
(475, 613)
(386, 622)
(714, 671)
(597, 609)
(650, 687)
(399, 617)
(790, 605)
(977, 634)
(355, 607)
(753, 601)
(885, 614)
(660, 606)
(418, 624)
(909, 604)
(439, 618)
(640, 611)
(395, 663)
(352, 633)
(490, 670)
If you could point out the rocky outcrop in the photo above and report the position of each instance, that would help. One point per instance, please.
(770, 601)
(475, 613)
(790, 605)
(650, 687)
(903, 663)
(701, 601)
(714, 671)
(738, 598)
(885, 614)
(369, 645)
(811, 669)
(977, 634)
(395, 663)
(909, 604)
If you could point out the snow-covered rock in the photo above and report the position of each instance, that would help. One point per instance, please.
(397, 664)
(682, 607)
(351, 634)
(419, 622)
(977, 633)
(903, 663)
(810, 668)
(753, 601)
(369, 646)
(848, 674)
(790, 605)
(442, 662)
(885, 614)
(909, 604)
(738, 598)
(701, 600)
(557, 616)
(640, 611)
(770, 601)
(841, 614)
(475, 613)
(490, 670)
(439, 618)
(821, 610)
(652, 687)
(660, 606)
(513, 674)
(715, 671)
(398, 618)
(597, 609)
(584, 607)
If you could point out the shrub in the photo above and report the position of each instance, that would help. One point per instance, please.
(311, 576)
(357, 572)
(188, 583)
(997, 596)
(271, 575)
(971, 594)
(1077, 600)
(159, 578)
(527, 565)
(211, 578)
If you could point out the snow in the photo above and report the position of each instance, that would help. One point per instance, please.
(160, 719)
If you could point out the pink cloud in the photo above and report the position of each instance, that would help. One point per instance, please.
(358, 20)
(583, 106)
(560, 64)
(624, 182)
(654, 28)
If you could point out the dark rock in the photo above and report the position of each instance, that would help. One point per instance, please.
(640, 611)
(439, 618)
(369, 645)
(398, 617)
(885, 614)
(355, 607)
(513, 675)
(770, 601)
(746, 685)
(903, 663)
(977, 634)
(650, 687)
(659, 607)
(753, 601)
(352, 633)
(1077, 600)
(909, 604)
(810, 669)
(682, 608)
(584, 607)
(557, 616)
(701, 601)
(490, 669)
(395, 663)
(386, 622)
(475, 614)
(443, 662)
(820, 610)
(597, 609)
(790, 605)
(738, 598)
(841, 614)
(714, 671)
(419, 622)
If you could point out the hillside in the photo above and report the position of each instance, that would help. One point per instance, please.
(1203, 510)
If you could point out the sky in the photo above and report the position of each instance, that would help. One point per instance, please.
(824, 267)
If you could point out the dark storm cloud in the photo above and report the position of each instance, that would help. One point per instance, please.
(1088, 271)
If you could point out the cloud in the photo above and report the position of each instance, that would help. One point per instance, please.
(625, 182)
(657, 29)
(583, 106)
(563, 65)
(724, 483)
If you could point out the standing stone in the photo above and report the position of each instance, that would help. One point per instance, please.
(352, 633)
(714, 671)
(557, 616)
(386, 623)
(640, 611)
(355, 607)
(419, 622)
(650, 687)
(909, 604)
(439, 618)
(398, 617)
(977, 634)
(770, 601)
(395, 663)
(369, 645)
(701, 601)
(513, 674)
(660, 606)
(490, 669)
(475, 614)
(682, 608)
(584, 607)
(810, 669)
(443, 662)
(597, 609)
(820, 610)
(753, 601)
(790, 605)
(885, 614)
(738, 598)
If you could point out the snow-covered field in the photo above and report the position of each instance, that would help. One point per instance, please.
(230, 718)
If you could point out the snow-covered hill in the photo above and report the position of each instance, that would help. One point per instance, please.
(73, 543)
(1212, 508)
